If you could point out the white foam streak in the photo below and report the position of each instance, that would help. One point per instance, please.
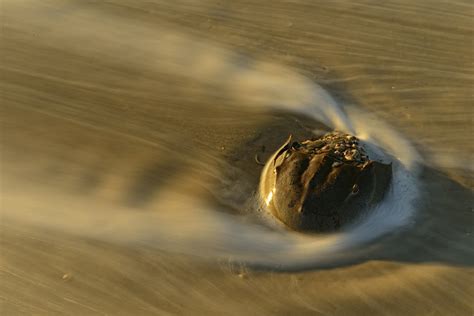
(183, 223)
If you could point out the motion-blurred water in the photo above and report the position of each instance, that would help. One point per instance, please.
(129, 135)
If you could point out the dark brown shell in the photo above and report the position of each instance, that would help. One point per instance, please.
(319, 188)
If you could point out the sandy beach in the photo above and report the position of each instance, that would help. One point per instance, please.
(130, 131)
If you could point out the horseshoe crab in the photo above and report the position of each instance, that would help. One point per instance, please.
(323, 183)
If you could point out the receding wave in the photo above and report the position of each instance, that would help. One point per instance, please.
(184, 222)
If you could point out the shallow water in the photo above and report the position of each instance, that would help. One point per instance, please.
(130, 132)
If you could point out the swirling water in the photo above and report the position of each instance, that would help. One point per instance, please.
(128, 128)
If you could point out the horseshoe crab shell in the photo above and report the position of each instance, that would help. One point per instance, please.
(316, 186)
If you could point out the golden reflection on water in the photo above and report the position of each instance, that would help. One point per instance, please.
(100, 117)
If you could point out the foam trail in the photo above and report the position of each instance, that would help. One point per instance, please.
(183, 222)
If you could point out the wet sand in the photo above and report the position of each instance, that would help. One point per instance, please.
(106, 106)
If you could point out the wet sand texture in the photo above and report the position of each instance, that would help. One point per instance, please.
(113, 107)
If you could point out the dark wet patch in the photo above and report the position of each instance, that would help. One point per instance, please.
(149, 181)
